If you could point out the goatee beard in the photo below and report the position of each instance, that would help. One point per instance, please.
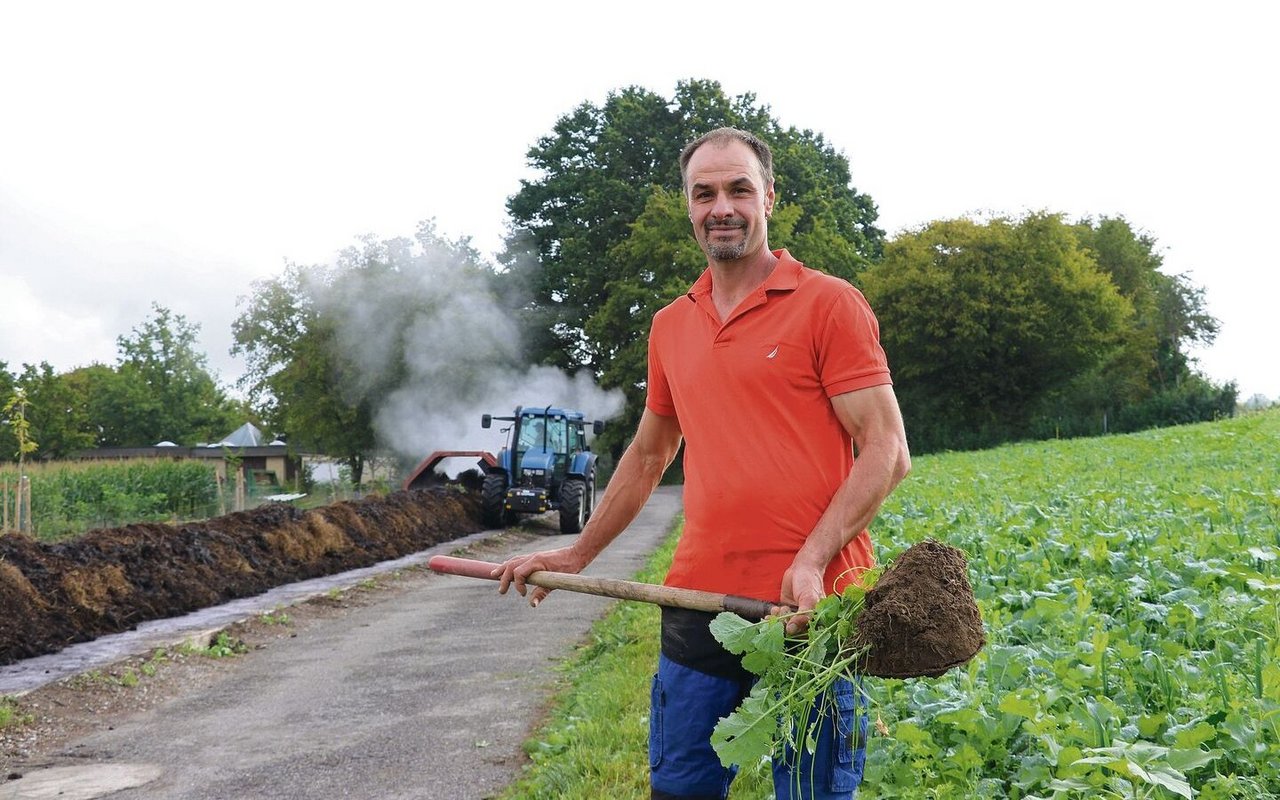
(721, 251)
(727, 252)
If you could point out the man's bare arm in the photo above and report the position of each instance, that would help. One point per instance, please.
(874, 423)
(655, 445)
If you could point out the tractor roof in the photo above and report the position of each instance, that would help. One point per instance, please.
(551, 411)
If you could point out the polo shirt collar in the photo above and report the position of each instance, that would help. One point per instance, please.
(784, 278)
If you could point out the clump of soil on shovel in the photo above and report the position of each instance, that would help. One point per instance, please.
(920, 619)
(109, 580)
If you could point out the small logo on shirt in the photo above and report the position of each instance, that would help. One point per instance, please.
(773, 352)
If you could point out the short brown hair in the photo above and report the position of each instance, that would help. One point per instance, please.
(720, 137)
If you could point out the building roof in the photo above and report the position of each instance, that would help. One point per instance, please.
(247, 435)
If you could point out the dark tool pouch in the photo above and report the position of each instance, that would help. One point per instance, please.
(687, 640)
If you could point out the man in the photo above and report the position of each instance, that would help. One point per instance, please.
(773, 376)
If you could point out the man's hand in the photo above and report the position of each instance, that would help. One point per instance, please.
(515, 570)
(802, 589)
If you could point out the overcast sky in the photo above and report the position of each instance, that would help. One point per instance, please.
(175, 153)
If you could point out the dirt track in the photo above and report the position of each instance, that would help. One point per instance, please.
(112, 579)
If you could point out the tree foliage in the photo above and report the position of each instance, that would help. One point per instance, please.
(1036, 327)
(295, 377)
(57, 412)
(159, 389)
(164, 389)
(982, 322)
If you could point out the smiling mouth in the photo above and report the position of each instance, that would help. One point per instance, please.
(726, 227)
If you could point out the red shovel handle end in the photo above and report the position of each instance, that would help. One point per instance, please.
(467, 567)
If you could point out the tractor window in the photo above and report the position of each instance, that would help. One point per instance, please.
(575, 438)
(555, 436)
(531, 432)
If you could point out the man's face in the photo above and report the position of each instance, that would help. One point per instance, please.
(729, 202)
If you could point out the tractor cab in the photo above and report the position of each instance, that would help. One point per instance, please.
(546, 465)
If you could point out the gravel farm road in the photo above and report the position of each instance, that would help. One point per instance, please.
(423, 688)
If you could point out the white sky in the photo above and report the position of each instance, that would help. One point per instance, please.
(174, 153)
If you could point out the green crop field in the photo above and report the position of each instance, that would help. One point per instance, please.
(70, 497)
(1129, 586)
(1130, 589)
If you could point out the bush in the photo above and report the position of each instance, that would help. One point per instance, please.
(1194, 400)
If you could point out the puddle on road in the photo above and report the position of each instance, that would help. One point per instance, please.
(32, 673)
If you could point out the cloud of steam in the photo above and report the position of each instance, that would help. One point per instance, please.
(428, 340)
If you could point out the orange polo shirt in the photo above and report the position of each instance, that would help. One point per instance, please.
(764, 451)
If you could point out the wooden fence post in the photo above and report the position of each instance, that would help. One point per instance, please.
(26, 497)
(222, 498)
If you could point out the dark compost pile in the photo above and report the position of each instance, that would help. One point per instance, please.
(920, 619)
(111, 579)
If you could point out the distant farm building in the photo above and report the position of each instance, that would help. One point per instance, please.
(246, 450)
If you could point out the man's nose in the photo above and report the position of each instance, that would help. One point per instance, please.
(722, 206)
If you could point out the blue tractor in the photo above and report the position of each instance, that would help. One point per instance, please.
(545, 466)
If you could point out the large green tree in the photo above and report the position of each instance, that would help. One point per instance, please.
(984, 321)
(1151, 374)
(295, 376)
(168, 391)
(57, 411)
(159, 389)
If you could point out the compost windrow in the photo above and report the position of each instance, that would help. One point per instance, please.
(112, 579)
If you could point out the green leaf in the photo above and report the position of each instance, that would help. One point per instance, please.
(1150, 724)
(1193, 737)
(1018, 706)
(1263, 553)
(1184, 760)
(1170, 779)
(746, 735)
(734, 632)
(765, 650)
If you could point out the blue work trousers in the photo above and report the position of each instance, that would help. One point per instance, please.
(685, 706)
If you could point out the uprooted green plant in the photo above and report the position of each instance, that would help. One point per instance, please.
(795, 676)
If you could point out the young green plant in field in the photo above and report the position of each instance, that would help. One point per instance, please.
(794, 674)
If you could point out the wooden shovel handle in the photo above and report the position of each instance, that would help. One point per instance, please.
(669, 596)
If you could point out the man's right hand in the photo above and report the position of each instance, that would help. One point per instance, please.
(516, 569)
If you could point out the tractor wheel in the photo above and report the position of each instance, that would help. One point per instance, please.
(572, 505)
(493, 496)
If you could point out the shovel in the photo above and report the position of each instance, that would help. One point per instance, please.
(920, 619)
(669, 596)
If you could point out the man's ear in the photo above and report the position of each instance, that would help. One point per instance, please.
(769, 198)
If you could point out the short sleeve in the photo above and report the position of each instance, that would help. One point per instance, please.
(849, 353)
(658, 398)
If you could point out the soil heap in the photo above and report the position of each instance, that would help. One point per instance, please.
(920, 619)
(111, 579)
